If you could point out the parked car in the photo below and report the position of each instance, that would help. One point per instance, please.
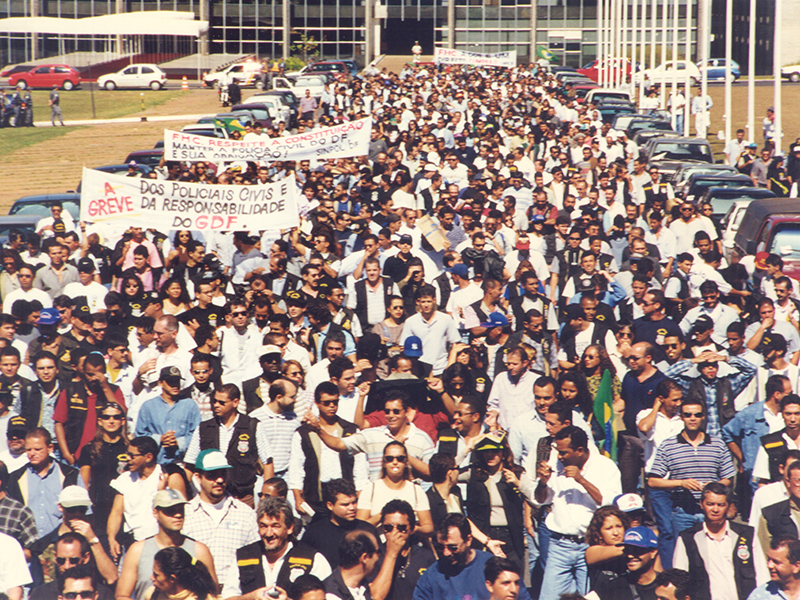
(204, 129)
(581, 89)
(314, 83)
(46, 76)
(771, 225)
(791, 72)
(151, 158)
(276, 107)
(135, 76)
(685, 171)
(665, 73)
(335, 67)
(39, 206)
(730, 223)
(115, 169)
(25, 224)
(722, 198)
(698, 183)
(247, 74)
(716, 69)
(607, 93)
(288, 98)
(668, 153)
(637, 125)
(262, 113)
(592, 69)
(642, 137)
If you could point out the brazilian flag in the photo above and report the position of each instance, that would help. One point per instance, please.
(604, 413)
(544, 53)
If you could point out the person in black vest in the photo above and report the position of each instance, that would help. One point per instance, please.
(775, 445)
(276, 560)
(253, 389)
(372, 294)
(776, 519)
(720, 570)
(309, 455)
(655, 326)
(640, 548)
(237, 436)
(676, 288)
(359, 555)
(338, 518)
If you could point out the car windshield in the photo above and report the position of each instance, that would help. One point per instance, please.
(723, 205)
(649, 126)
(786, 241)
(682, 151)
(43, 209)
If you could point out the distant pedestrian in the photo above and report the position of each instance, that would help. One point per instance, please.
(55, 108)
(28, 102)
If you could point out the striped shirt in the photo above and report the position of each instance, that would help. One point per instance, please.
(373, 440)
(278, 429)
(676, 458)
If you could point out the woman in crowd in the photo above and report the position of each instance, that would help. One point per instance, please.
(604, 537)
(174, 297)
(395, 483)
(178, 576)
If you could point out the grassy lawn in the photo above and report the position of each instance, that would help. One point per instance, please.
(14, 139)
(77, 104)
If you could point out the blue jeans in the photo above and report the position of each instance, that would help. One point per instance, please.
(661, 503)
(566, 571)
(538, 565)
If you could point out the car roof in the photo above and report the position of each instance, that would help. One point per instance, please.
(760, 210)
(720, 192)
(43, 198)
(148, 152)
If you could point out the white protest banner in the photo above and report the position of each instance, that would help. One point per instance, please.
(450, 56)
(340, 141)
(167, 205)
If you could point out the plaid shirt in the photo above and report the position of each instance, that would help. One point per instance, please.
(237, 528)
(17, 520)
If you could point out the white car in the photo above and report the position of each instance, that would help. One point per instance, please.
(314, 83)
(134, 76)
(791, 72)
(665, 73)
(277, 110)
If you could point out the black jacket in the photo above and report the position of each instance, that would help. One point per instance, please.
(479, 509)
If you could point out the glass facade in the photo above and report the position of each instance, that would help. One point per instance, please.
(567, 27)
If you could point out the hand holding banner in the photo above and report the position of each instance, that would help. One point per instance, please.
(169, 205)
(340, 141)
(450, 56)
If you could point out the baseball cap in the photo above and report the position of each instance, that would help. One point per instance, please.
(629, 502)
(752, 145)
(461, 270)
(703, 323)
(211, 460)
(773, 341)
(641, 537)
(86, 265)
(430, 168)
(495, 440)
(795, 148)
(496, 319)
(523, 243)
(49, 316)
(538, 219)
(405, 239)
(269, 349)
(73, 496)
(412, 347)
(761, 260)
(17, 423)
(170, 375)
(167, 498)
(133, 164)
(58, 226)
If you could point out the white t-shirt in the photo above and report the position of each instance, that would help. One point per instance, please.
(377, 494)
(138, 494)
(13, 568)
(95, 294)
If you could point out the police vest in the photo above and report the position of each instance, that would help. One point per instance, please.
(445, 288)
(744, 572)
(312, 446)
(725, 408)
(298, 561)
(242, 452)
(775, 447)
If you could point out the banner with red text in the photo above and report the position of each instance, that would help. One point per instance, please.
(450, 56)
(340, 141)
(166, 205)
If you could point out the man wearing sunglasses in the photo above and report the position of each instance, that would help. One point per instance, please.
(73, 553)
(639, 550)
(683, 465)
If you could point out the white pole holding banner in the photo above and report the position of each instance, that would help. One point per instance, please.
(751, 74)
(728, 58)
(776, 73)
(674, 63)
(600, 42)
(664, 25)
(687, 55)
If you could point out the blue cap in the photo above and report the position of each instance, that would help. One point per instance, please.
(412, 347)
(496, 319)
(641, 537)
(49, 316)
(461, 270)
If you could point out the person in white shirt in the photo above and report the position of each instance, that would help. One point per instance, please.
(26, 291)
(735, 147)
(662, 421)
(94, 292)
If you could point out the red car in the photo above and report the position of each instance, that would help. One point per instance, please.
(592, 70)
(46, 76)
